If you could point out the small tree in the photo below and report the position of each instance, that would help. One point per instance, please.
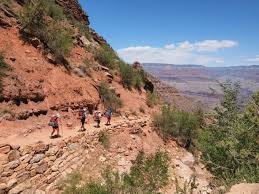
(180, 125)
(230, 144)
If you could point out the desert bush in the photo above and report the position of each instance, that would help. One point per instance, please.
(59, 40)
(109, 97)
(230, 144)
(86, 68)
(70, 183)
(126, 72)
(187, 187)
(147, 175)
(43, 19)
(180, 125)
(152, 99)
(104, 139)
(131, 77)
(106, 57)
(4, 67)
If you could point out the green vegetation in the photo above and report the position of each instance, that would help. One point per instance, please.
(230, 144)
(109, 97)
(83, 29)
(86, 68)
(147, 175)
(152, 99)
(4, 67)
(44, 19)
(104, 139)
(131, 77)
(180, 125)
(188, 186)
(6, 2)
(106, 57)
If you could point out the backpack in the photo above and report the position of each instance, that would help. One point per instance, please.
(53, 121)
(109, 112)
(82, 113)
(97, 116)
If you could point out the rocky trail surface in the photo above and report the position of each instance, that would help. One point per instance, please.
(38, 166)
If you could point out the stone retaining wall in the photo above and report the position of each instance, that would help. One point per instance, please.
(38, 167)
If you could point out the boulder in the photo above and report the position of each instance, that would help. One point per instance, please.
(13, 155)
(41, 168)
(37, 158)
(13, 164)
(5, 149)
(40, 148)
(52, 151)
(103, 68)
(3, 186)
(11, 183)
(19, 188)
(84, 41)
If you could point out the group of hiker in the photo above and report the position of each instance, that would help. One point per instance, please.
(83, 115)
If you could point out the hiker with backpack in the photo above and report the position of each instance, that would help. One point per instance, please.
(54, 123)
(97, 118)
(108, 114)
(83, 116)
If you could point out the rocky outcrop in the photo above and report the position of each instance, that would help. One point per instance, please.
(74, 8)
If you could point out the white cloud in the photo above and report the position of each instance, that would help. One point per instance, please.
(179, 53)
(255, 59)
(214, 45)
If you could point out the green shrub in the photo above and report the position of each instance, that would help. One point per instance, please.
(126, 72)
(59, 40)
(180, 125)
(106, 57)
(4, 67)
(35, 20)
(188, 186)
(230, 144)
(104, 139)
(147, 175)
(109, 97)
(152, 99)
(131, 77)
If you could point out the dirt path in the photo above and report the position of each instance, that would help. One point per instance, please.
(44, 134)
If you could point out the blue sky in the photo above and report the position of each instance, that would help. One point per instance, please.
(207, 32)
